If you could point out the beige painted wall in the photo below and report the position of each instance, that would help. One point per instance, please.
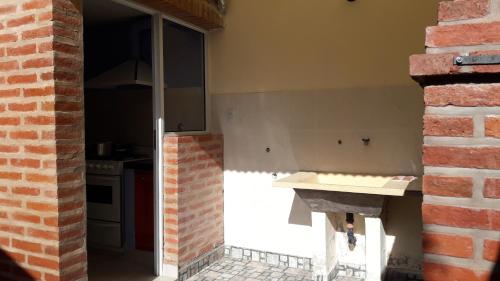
(275, 45)
(297, 76)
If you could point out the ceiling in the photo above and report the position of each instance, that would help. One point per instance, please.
(106, 11)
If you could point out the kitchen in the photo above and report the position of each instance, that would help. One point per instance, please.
(119, 125)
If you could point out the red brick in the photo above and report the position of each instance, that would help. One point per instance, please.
(9, 93)
(42, 207)
(36, 4)
(39, 120)
(47, 16)
(453, 35)
(448, 245)
(43, 262)
(41, 178)
(46, 47)
(22, 79)
(463, 95)
(68, 63)
(6, 38)
(492, 188)
(40, 149)
(47, 76)
(43, 234)
(466, 157)
(22, 50)
(11, 229)
(432, 64)
(40, 32)
(30, 191)
(63, 106)
(65, 48)
(22, 106)
(491, 250)
(7, 9)
(25, 135)
(448, 186)
(10, 203)
(9, 121)
(36, 92)
(461, 217)
(463, 9)
(21, 21)
(10, 175)
(26, 217)
(492, 126)
(442, 272)
(8, 65)
(9, 148)
(38, 63)
(448, 126)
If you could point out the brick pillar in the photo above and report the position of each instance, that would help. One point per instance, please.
(461, 155)
(193, 215)
(42, 202)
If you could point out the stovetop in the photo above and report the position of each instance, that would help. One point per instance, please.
(112, 166)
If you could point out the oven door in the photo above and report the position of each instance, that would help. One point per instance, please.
(103, 198)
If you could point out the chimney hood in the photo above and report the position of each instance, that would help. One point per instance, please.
(129, 73)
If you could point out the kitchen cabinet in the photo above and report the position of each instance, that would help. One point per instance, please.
(144, 210)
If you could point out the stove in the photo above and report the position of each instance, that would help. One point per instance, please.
(105, 200)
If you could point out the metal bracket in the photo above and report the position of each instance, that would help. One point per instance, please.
(477, 60)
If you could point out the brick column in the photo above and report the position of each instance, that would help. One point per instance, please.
(461, 155)
(193, 198)
(42, 202)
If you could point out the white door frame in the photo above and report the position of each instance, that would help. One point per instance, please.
(158, 88)
(158, 123)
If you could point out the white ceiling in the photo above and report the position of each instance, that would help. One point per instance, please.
(106, 11)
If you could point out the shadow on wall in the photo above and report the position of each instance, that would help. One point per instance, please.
(495, 275)
(10, 269)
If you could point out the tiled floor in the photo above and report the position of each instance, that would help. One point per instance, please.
(138, 266)
(239, 270)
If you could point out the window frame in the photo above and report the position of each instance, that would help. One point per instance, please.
(207, 99)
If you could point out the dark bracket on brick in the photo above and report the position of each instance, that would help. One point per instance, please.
(477, 60)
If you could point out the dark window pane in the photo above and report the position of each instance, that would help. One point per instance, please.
(184, 66)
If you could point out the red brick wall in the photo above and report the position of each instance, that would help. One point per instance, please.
(193, 197)
(42, 229)
(461, 208)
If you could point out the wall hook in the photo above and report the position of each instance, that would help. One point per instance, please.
(366, 141)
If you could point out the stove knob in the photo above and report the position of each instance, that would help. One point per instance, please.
(98, 166)
(91, 166)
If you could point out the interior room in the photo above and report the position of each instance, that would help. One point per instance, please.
(119, 141)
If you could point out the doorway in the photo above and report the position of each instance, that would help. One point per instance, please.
(122, 156)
